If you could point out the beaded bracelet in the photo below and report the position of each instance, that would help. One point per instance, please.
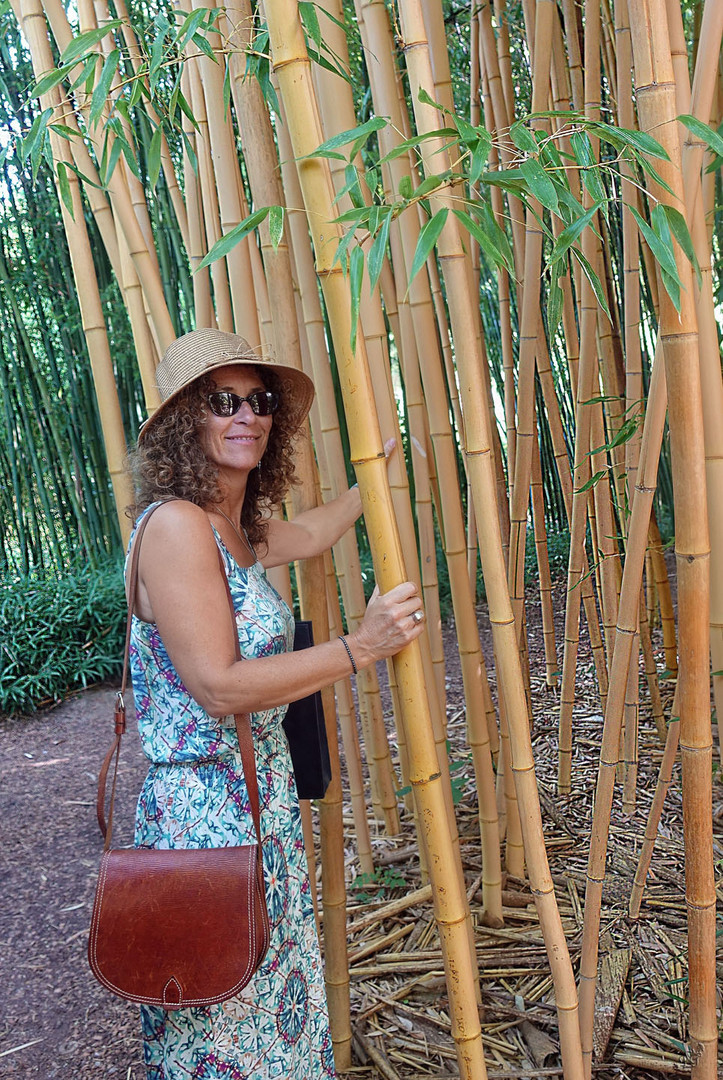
(349, 653)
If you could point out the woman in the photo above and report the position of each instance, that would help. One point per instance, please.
(219, 446)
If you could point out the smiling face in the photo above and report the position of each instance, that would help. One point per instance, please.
(237, 442)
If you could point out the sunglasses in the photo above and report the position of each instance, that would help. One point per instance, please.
(225, 403)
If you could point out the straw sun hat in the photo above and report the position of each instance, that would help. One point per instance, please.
(202, 351)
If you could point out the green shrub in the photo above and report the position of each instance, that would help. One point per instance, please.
(59, 633)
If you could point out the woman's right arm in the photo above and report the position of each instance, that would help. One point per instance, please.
(182, 591)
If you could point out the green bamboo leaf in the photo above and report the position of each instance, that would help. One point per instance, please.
(569, 235)
(424, 97)
(351, 135)
(478, 160)
(154, 159)
(661, 249)
(189, 26)
(204, 45)
(679, 228)
(485, 241)
(352, 187)
(508, 179)
(523, 138)
(310, 22)
(378, 250)
(648, 169)
(479, 141)
(413, 143)
(341, 255)
(593, 279)
(540, 184)
(65, 132)
(128, 154)
(187, 146)
(81, 44)
(672, 286)
(186, 108)
(222, 247)
(405, 187)
(356, 277)
(593, 480)
(358, 216)
(64, 188)
(428, 236)
(589, 167)
(712, 139)
(554, 306)
(31, 145)
(276, 225)
(638, 140)
(102, 87)
(582, 149)
(48, 81)
(226, 88)
(430, 183)
(137, 91)
(158, 52)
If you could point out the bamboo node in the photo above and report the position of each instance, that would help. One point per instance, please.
(427, 779)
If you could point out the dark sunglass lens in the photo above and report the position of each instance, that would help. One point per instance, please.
(222, 403)
(263, 403)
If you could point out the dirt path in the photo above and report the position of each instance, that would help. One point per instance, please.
(57, 1022)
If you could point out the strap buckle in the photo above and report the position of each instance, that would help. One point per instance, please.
(120, 714)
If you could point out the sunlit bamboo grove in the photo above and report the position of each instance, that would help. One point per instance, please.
(489, 232)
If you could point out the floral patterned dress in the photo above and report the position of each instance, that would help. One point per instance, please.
(195, 796)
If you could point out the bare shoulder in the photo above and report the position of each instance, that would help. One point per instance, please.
(178, 530)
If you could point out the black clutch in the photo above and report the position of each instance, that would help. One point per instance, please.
(306, 732)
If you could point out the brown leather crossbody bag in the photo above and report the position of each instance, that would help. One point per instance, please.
(182, 927)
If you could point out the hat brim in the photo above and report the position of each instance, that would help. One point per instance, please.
(297, 391)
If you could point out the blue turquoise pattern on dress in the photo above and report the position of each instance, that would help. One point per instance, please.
(195, 796)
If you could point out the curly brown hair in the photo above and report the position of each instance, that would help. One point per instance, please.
(170, 463)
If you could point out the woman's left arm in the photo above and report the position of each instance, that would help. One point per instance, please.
(312, 532)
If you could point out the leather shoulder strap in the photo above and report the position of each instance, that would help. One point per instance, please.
(242, 720)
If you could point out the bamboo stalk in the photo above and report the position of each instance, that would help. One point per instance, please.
(587, 381)
(346, 554)
(481, 471)
(292, 67)
(529, 326)
(665, 775)
(228, 185)
(701, 106)
(657, 111)
(480, 713)
(350, 737)
(543, 568)
(30, 16)
(620, 666)
(209, 199)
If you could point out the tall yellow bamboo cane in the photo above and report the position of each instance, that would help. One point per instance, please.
(209, 199)
(123, 266)
(337, 114)
(529, 325)
(29, 14)
(665, 775)
(292, 67)
(704, 85)
(620, 666)
(228, 185)
(481, 471)
(480, 715)
(657, 111)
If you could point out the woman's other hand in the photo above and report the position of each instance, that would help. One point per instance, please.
(392, 620)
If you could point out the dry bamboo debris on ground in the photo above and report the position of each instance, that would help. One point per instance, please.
(401, 1027)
